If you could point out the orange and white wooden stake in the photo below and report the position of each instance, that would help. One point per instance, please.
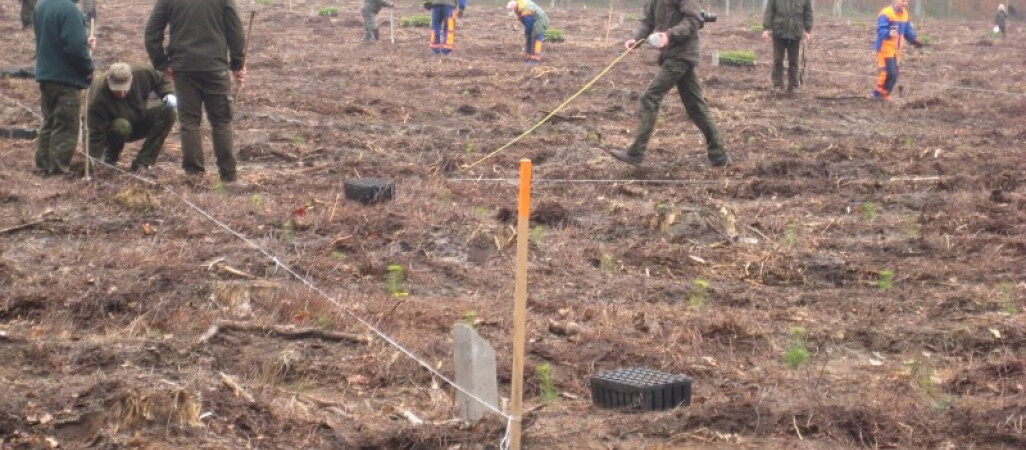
(516, 406)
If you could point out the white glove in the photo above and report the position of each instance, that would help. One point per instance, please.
(658, 40)
(170, 101)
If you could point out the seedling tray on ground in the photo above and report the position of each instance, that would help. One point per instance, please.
(368, 190)
(640, 389)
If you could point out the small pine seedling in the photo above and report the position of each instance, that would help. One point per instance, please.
(869, 210)
(885, 280)
(546, 385)
(700, 295)
(396, 279)
(796, 354)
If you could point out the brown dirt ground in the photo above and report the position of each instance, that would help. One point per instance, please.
(103, 303)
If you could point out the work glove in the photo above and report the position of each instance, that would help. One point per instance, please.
(426, 4)
(658, 40)
(917, 44)
(170, 101)
(91, 15)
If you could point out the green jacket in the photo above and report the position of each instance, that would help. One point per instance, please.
(788, 19)
(203, 36)
(62, 55)
(680, 20)
(104, 107)
(373, 7)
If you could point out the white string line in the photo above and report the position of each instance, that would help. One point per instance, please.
(26, 108)
(314, 288)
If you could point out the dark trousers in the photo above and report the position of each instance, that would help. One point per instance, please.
(155, 125)
(791, 47)
(27, 6)
(58, 135)
(681, 74)
(210, 92)
(443, 29)
(370, 25)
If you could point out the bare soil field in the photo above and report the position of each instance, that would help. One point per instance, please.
(854, 279)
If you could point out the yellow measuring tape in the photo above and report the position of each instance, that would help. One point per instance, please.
(558, 108)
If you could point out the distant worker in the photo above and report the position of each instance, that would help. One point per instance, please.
(674, 26)
(443, 23)
(535, 23)
(63, 68)
(1001, 19)
(370, 11)
(205, 41)
(788, 21)
(118, 114)
(892, 30)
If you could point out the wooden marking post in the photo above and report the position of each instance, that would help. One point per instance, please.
(84, 124)
(516, 405)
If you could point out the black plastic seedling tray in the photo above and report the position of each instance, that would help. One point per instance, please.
(368, 190)
(640, 389)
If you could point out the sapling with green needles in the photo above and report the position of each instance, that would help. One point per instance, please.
(546, 385)
(395, 279)
(699, 294)
(885, 280)
(796, 354)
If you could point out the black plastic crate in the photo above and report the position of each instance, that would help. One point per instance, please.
(368, 190)
(640, 389)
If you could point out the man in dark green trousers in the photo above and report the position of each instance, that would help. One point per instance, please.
(672, 27)
(788, 21)
(118, 114)
(205, 41)
(63, 68)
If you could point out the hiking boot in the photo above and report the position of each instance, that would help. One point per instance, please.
(623, 155)
(878, 95)
(721, 160)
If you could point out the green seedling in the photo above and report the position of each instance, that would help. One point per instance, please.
(264, 2)
(255, 201)
(885, 280)
(1008, 299)
(607, 263)
(926, 39)
(546, 385)
(791, 234)
(481, 211)
(396, 280)
(469, 318)
(299, 139)
(756, 28)
(416, 20)
(554, 35)
(868, 210)
(537, 234)
(908, 142)
(324, 321)
(737, 58)
(593, 137)
(796, 354)
(630, 18)
(287, 231)
(699, 294)
(911, 227)
(337, 255)
(470, 148)
(328, 12)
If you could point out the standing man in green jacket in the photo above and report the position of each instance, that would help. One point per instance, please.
(205, 41)
(370, 11)
(63, 68)
(788, 21)
(672, 27)
(118, 113)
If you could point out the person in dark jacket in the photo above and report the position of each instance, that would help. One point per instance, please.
(205, 41)
(789, 21)
(1001, 19)
(27, 6)
(118, 113)
(63, 68)
(674, 26)
(370, 11)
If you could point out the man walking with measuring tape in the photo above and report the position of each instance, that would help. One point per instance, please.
(672, 27)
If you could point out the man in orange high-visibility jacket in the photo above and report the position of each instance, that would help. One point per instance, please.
(892, 30)
(443, 23)
(535, 23)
